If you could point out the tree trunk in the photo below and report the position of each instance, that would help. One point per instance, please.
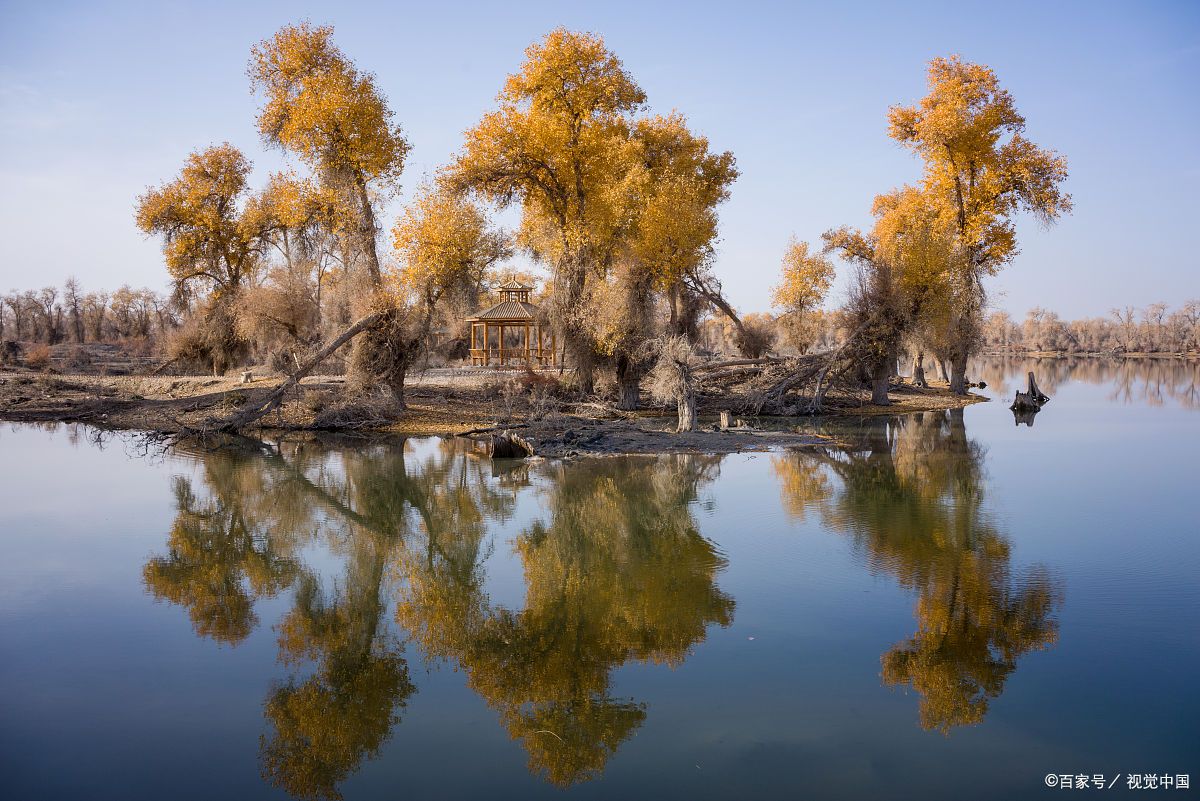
(507, 445)
(395, 382)
(1031, 400)
(628, 383)
(586, 376)
(918, 370)
(714, 296)
(880, 381)
(368, 231)
(958, 375)
(685, 406)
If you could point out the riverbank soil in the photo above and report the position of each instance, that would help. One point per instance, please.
(440, 402)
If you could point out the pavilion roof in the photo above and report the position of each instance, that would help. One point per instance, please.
(513, 310)
(514, 284)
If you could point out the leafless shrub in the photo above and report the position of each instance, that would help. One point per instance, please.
(318, 400)
(543, 402)
(209, 340)
(510, 391)
(233, 400)
(754, 338)
(38, 357)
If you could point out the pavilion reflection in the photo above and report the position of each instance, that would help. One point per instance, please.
(909, 493)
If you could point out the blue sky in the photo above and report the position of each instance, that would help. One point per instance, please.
(100, 100)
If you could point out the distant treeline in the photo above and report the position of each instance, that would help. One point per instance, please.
(145, 319)
(1153, 329)
(51, 315)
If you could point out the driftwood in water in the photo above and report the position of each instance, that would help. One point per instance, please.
(507, 445)
(1032, 400)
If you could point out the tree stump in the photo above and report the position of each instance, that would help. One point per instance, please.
(725, 420)
(507, 445)
(1030, 401)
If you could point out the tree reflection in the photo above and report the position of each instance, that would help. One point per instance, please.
(617, 572)
(910, 495)
(325, 726)
(220, 556)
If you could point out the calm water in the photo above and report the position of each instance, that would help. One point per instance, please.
(952, 606)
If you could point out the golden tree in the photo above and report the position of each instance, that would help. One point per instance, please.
(213, 241)
(910, 495)
(559, 146)
(678, 183)
(981, 171)
(618, 571)
(319, 106)
(805, 280)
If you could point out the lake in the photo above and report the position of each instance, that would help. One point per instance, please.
(947, 605)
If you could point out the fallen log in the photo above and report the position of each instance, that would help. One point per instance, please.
(490, 429)
(736, 363)
(735, 372)
(273, 399)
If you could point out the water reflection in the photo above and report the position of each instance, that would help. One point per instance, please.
(616, 571)
(909, 493)
(1152, 381)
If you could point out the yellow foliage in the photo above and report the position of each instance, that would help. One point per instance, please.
(806, 279)
(206, 235)
(442, 240)
(979, 166)
(321, 107)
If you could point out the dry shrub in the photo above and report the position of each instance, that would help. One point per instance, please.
(233, 400)
(141, 346)
(360, 410)
(208, 340)
(38, 357)
(510, 390)
(381, 354)
(318, 400)
(754, 339)
(539, 393)
(533, 380)
(543, 402)
(282, 360)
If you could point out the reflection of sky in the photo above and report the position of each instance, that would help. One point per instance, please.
(786, 702)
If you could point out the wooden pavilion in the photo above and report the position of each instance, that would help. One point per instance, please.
(511, 331)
